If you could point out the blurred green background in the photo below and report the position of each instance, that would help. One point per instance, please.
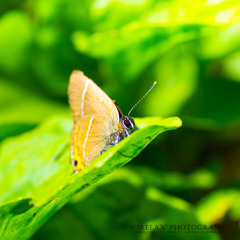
(192, 50)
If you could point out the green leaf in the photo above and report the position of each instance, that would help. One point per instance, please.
(149, 29)
(42, 171)
(200, 179)
(122, 49)
(16, 28)
(18, 104)
(214, 207)
(177, 76)
(120, 201)
(22, 110)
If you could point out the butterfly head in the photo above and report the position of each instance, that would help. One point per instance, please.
(128, 123)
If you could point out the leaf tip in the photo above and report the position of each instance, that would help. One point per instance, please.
(174, 122)
(177, 122)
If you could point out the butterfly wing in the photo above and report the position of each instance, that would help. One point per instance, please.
(95, 119)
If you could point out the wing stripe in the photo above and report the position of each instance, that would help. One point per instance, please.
(86, 138)
(83, 96)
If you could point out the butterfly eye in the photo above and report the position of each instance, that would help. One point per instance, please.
(128, 123)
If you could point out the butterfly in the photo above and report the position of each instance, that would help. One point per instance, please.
(98, 121)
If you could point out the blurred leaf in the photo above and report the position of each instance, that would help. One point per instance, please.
(22, 110)
(213, 208)
(107, 14)
(14, 46)
(43, 171)
(120, 201)
(14, 129)
(21, 106)
(231, 67)
(149, 29)
(53, 56)
(224, 42)
(140, 176)
(201, 179)
(122, 49)
(177, 77)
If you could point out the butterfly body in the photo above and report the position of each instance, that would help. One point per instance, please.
(98, 121)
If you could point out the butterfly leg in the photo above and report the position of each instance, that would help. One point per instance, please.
(102, 151)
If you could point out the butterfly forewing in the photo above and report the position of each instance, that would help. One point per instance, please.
(86, 98)
(95, 119)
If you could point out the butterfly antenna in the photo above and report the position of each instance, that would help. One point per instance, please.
(142, 97)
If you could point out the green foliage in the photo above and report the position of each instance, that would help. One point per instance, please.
(44, 178)
(214, 207)
(191, 48)
(122, 200)
(19, 114)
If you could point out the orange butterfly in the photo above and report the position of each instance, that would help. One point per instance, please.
(98, 121)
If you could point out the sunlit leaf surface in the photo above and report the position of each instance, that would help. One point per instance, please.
(191, 48)
(37, 177)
